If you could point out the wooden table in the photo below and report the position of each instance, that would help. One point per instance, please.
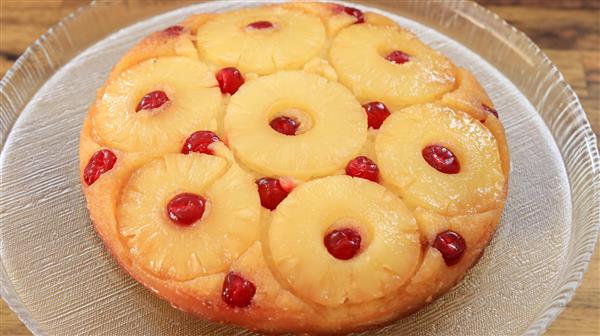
(568, 31)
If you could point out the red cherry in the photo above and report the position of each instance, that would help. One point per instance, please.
(185, 209)
(271, 192)
(377, 112)
(237, 291)
(173, 30)
(260, 25)
(230, 79)
(441, 158)
(397, 57)
(363, 167)
(357, 13)
(490, 110)
(199, 141)
(101, 162)
(152, 100)
(342, 244)
(285, 125)
(451, 245)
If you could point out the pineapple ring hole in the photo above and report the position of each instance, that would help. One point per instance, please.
(351, 223)
(304, 119)
(143, 91)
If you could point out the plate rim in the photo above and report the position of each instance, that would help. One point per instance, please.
(559, 298)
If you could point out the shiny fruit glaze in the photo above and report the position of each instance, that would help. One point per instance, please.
(342, 244)
(152, 100)
(441, 158)
(199, 141)
(377, 112)
(451, 245)
(185, 209)
(101, 162)
(230, 79)
(363, 167)
(237, 291)
(271, 192)
(285, 125)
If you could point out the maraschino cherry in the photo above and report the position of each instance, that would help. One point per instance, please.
(363, 167)
(199, 141)
(101, 162)
(230, 79)
(451, 245)
(186, 208)
(441, 158)
(342, 244)
(152, 100)
(237, 291)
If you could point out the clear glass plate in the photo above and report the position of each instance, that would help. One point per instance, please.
(57, 276)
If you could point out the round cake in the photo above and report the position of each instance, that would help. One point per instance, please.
(301, 167)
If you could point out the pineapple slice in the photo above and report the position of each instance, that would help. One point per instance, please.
(358, 55)
(194, 100)
(228, 227)
(478, 186)
(293, 38)
(321, 67)
(379, 20)
(469, 96)
(332, 15)
(196, 20)
(390, 248)
(335, 125)
(173, 41)
(496, 128)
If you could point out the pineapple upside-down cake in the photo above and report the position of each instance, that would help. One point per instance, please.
(302, 167)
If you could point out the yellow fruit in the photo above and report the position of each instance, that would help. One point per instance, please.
(469, 96)
(390, 247)
(332, 15)
(158, 44)
(194, 101)
(379, 20)
(321, 67)
(228, 227)
(358, 55)
(335, 126)
(228, 41)
(497, 129)
(477, 187)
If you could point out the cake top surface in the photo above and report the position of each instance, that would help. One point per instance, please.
(308, 158)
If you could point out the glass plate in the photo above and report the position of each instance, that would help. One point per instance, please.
(57, 276)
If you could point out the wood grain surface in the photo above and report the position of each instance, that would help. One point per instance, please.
(567, 31)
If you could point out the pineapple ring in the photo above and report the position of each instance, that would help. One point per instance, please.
(295, 38)
(357, 54)
(478, 187)
(387, 260)
(469, 96)
(338, 131)
(229, 225)
(194, 102)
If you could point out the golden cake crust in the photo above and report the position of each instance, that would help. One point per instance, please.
(276, 307)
